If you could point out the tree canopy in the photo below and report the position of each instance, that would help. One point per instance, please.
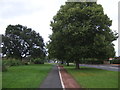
(20, 41)
(81, 30)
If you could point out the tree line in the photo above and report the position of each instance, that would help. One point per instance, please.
(81, 31)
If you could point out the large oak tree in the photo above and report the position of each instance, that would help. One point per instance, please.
(20, 42)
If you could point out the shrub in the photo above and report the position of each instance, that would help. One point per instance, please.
(15, 62)
(38, 61)
(115, 61)
(26, 62)
(90, 61)
(11, 62)
(4, 68)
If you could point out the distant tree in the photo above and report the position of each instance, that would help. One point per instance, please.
(81, 30)
(20, 41)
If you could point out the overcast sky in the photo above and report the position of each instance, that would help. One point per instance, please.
(37, 14)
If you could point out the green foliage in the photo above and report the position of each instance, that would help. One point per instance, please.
(11, 62)
(81, 30)
(115, 61)
(38, 61)
(26, 62)
(20, 42)
(91, 61)
(4, 68)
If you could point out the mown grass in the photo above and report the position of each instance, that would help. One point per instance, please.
(0, 80)
(30, 76)
(94, 78)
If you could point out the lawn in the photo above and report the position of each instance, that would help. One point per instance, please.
(94, 78)
(29, 76)
(0, 79)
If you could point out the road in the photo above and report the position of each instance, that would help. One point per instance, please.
(105, 67)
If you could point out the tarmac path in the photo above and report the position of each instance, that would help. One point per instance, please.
(53, 79)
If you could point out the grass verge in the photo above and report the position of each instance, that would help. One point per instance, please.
(0, 80)
(30, 76)
(94, 78)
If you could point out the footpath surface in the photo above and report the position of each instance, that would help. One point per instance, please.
(67, 79)
(59, 78)
(52, 80)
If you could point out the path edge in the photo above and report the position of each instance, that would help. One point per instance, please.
(63, 86)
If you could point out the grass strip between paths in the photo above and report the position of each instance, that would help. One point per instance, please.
(30, 76)
(93, 78)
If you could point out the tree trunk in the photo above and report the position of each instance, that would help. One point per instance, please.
(77, 65)
(62, 62)
(67, 63)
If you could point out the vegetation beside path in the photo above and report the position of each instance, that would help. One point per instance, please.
(30, 76)
(94, 78)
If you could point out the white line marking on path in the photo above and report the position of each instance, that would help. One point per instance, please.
(61, 79)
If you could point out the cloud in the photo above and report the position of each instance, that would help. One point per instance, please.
(14, 8)
(35, 14)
